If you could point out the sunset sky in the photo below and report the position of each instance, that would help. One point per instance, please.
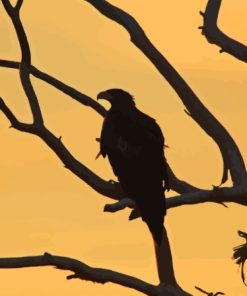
(44, 207)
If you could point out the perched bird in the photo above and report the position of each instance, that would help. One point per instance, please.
(134, 144)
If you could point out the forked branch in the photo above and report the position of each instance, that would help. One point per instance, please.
(216, 36)
(14, 14)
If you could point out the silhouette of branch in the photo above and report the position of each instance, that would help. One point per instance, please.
(209, 293)
(214, 35)
(66, 89)
(237, 194)
(178, 185)
(232, 157)
(80, 271)
(14, 14)
(19, 4)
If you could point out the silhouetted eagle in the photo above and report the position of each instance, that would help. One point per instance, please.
(134, 144)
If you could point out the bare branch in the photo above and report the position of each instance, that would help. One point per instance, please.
(19, 4)
(15, 123)
(236, 194)
(8, 7)
(164, 261)
(209, 293)
(214, 35)
(25, 61)
(66, 89)
(179, 185)
(81, 271)
(232, 157)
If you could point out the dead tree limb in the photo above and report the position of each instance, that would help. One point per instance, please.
(80, 271)
(215, 36)
(66, 89)
(14, 14)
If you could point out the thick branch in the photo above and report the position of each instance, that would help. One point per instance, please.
(81, 271)
(66, 89)
(178, 185)
(14, 14)
(236, 194)
(8, 7)
(233, 160)
(216, 36)
(19, 4)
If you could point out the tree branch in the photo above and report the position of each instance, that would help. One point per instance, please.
(214, 35)
(66, 89)
(178, 185)
(236, 194)
(8, 6)
(15, 123)
(19, 4)
(232, 157)
(209, 293)
(14, 14)
(80, 271)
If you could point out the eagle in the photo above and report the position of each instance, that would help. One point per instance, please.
(134, 145)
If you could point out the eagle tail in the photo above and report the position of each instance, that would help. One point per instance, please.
(155, 220)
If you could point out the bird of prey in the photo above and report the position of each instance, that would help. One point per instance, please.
(134, 145)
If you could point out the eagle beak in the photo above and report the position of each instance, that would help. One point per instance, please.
(104, 95)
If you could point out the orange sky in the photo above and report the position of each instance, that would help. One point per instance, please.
(45, 208)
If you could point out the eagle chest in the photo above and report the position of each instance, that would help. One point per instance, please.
(118, 137)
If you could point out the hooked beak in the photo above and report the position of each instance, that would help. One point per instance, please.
(104, 95)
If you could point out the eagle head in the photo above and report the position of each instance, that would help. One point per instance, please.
(118, 98)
